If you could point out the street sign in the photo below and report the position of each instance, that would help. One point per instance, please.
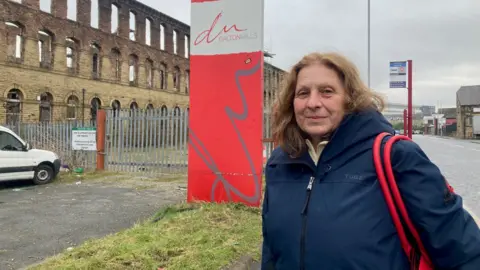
(398, 74)
(84, 139)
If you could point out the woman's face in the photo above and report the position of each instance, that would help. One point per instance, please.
(319, 101)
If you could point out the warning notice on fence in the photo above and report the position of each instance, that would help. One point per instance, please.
(84, 139)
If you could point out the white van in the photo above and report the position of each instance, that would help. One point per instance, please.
(18, 161)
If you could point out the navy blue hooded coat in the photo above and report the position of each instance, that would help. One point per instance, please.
(345, 223)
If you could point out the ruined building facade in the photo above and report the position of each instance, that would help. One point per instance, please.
(66, 62)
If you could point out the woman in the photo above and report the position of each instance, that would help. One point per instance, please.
(323, 206)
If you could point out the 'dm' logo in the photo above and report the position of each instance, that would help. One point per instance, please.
(225, 33)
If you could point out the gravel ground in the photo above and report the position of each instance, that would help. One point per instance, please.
(39, 221)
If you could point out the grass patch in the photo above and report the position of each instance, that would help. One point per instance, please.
(179, 237)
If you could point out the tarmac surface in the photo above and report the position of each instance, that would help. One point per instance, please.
(40, 221)
(459, 161)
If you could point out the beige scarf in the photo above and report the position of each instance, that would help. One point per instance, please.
(315, 152)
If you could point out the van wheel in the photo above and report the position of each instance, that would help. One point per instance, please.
(43, 175)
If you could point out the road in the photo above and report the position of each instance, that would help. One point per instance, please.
(459, 160)
(40, 221)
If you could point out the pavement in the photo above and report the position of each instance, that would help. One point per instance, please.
(39, 221)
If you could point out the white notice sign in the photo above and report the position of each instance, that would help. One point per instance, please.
(84, 139)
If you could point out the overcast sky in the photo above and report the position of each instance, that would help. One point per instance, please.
(442, 37)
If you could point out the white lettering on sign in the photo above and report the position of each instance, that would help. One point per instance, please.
(226, 27)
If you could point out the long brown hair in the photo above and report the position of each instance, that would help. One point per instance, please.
(359, 97)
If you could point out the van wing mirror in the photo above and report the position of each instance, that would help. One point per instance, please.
(28, 146)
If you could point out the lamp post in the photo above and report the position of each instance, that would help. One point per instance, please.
(368, 42)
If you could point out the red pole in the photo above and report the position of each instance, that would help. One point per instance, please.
(101, 119)
(405, 122)
(410, 105)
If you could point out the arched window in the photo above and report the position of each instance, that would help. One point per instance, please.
(15, 41)
(72, 107)
(95, 51)
(133, 70)
(176, 78)
(46, 104)
(95, 105)
(45, 48)
(116, 63)
(13, 106)
(149, 72)
(163, 76)
(72, 54)
(116, 108)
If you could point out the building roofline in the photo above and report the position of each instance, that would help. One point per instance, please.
(268, 54)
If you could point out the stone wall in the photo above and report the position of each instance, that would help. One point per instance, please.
(53, 65)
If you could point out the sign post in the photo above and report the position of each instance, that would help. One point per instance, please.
(225, 118)
(399, 79)
(410, 97)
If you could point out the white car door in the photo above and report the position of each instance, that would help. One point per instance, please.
(15, 161)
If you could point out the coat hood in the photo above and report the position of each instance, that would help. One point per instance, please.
(355, 129)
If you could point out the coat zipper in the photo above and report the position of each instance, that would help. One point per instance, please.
(304, 223)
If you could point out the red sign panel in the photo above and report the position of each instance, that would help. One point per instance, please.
(226, 67)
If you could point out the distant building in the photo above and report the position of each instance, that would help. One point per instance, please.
(450, 115)
(468, 112)
(427, 110)
(445, 122)
(394, 111)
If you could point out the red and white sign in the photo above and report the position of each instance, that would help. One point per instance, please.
(226, 67)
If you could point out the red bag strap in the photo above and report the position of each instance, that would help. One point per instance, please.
(392, 194)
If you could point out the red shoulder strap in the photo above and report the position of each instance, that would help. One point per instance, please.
(394, 199)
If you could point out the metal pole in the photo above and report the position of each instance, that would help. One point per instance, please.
(410, 105)
(83, 107)
(368, 43)
(101, 119)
